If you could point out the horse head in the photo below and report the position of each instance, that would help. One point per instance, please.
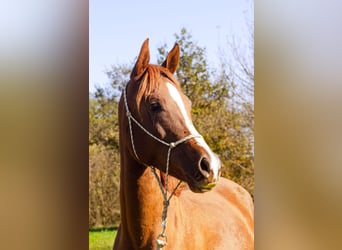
(162, 115)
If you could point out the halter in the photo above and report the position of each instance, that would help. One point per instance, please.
(162, 238)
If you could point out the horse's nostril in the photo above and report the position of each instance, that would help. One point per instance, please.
(205, 167)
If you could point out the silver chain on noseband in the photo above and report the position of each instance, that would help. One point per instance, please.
(162, 238)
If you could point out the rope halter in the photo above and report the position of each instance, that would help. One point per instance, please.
(162, 238)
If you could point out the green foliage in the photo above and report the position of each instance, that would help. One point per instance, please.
(103, 120)
(104, 172)
(226, 125)
(104, 162)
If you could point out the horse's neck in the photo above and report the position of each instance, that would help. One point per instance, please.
(141, 199)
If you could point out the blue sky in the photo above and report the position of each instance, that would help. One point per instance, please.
(118, 28)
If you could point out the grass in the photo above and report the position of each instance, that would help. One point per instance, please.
(101, 240)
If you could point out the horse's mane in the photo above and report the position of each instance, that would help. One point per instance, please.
(149, 81)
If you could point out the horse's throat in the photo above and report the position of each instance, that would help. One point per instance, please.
(143, 199)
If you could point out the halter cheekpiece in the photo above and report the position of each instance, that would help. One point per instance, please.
(162, 238)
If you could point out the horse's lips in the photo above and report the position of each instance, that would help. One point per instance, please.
(200, 188)
(209, 186)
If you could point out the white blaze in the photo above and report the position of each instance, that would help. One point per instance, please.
(214, 161)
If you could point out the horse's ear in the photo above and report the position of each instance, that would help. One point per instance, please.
(172, 59)
(142, 61)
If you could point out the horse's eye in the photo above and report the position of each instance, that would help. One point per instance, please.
(155, 107)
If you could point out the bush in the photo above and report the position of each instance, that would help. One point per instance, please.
(104, 172)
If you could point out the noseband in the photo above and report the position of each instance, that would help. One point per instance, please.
(161, 239)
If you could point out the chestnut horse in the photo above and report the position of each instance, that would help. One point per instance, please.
(159, 147)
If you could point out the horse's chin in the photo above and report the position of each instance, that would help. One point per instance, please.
(200, 188)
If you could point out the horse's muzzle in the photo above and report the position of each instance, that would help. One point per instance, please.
(207, 177)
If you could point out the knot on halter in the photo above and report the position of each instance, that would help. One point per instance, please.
(173, 144)
(161, 241)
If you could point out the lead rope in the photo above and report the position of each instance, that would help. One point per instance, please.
(161, 238)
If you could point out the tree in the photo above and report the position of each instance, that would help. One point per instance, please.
(237, 66)
(103, 120)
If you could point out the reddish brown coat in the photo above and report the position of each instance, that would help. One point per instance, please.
(219, 219)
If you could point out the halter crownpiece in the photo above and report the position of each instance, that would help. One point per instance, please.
(161, 239)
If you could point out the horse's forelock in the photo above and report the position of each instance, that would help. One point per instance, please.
(150, 81)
